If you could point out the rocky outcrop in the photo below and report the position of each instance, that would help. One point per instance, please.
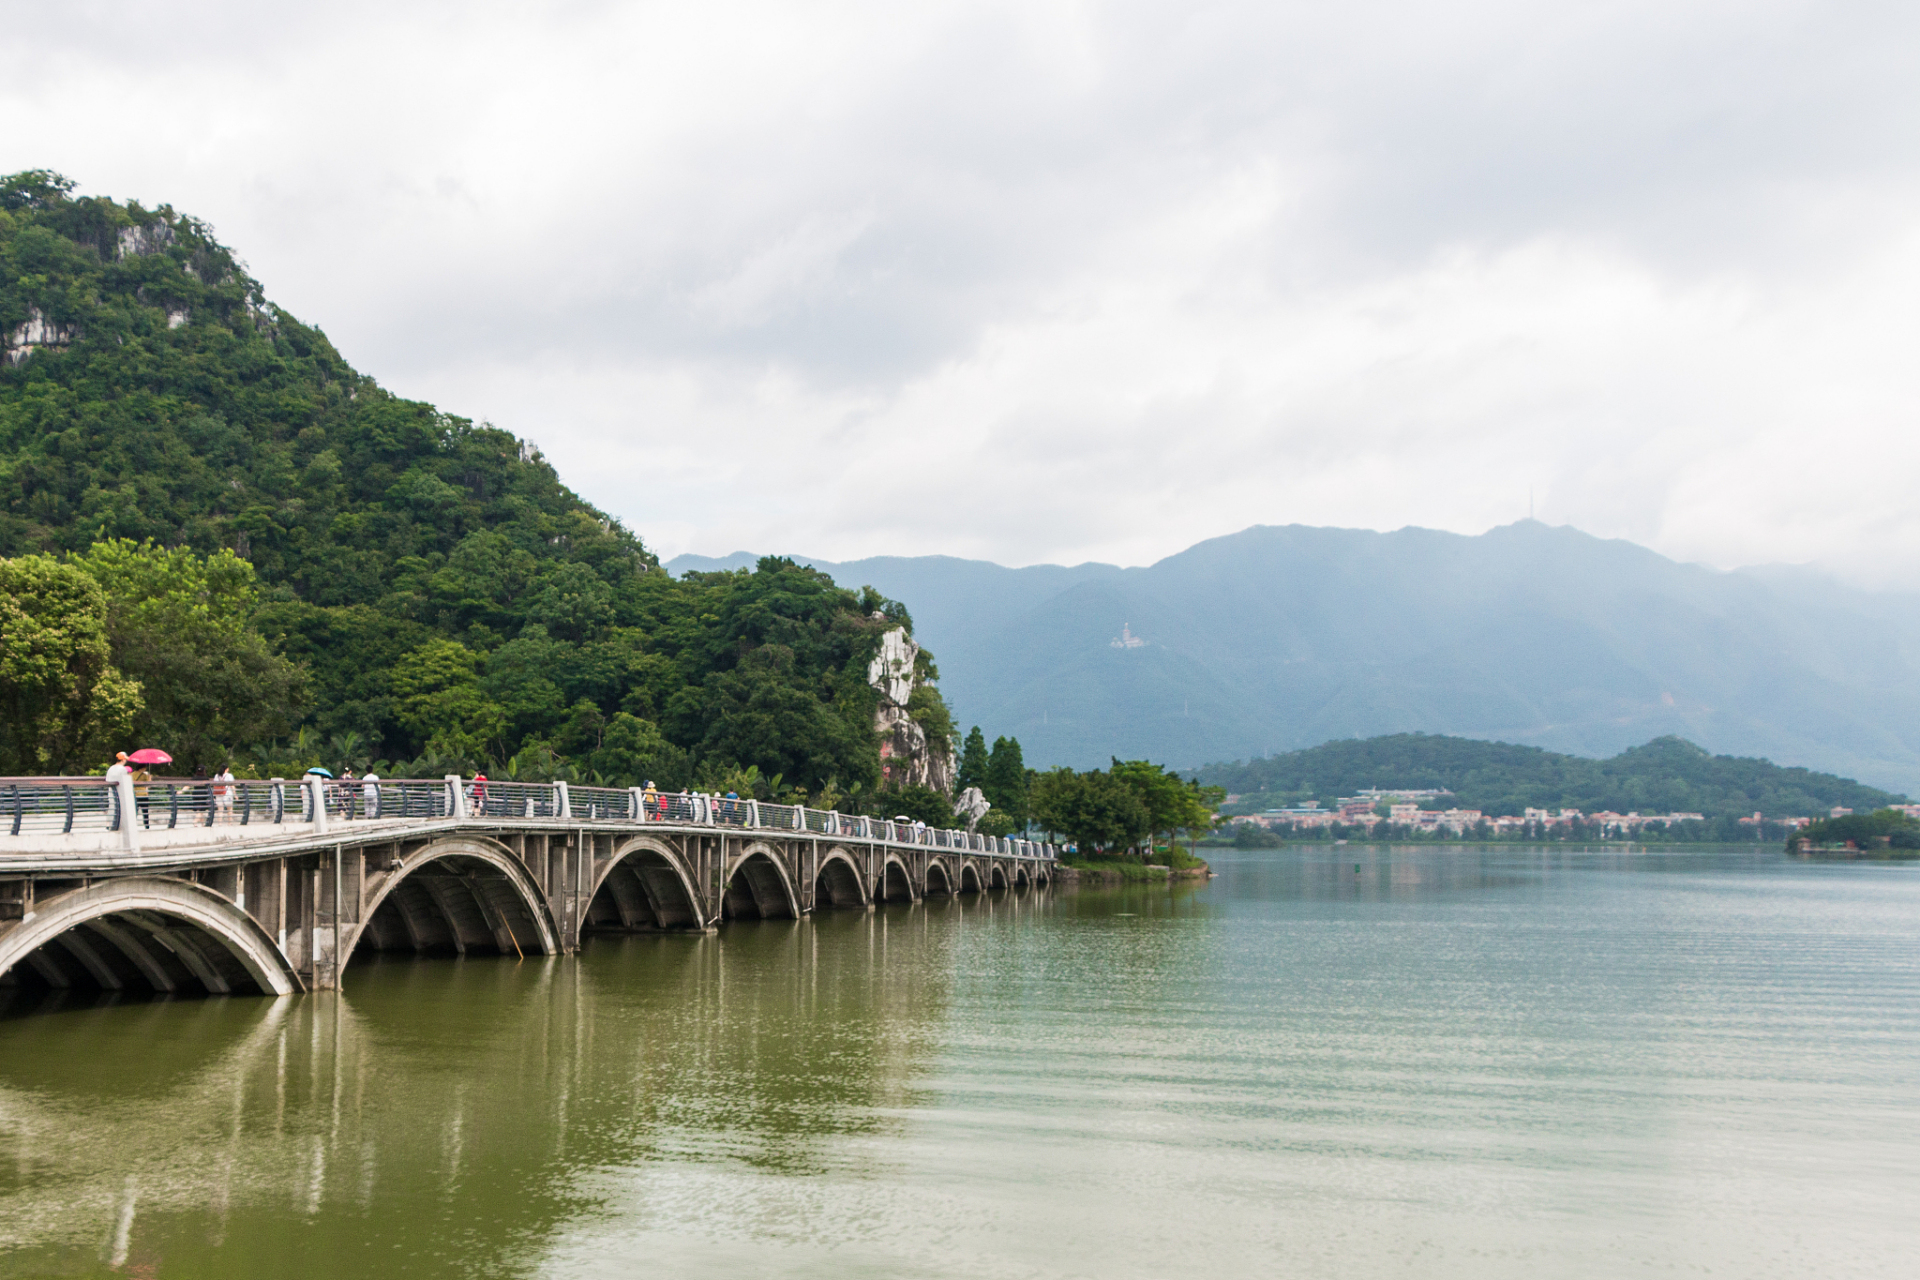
(31, 334)
(891, 671)
(135, 242)
(907, 757)
(972, 805)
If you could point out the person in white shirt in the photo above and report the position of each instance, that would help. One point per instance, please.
(116, 772)
(223, 794)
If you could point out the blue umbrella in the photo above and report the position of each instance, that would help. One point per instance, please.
(325, 773)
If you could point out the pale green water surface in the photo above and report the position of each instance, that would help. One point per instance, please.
(1478, 1063)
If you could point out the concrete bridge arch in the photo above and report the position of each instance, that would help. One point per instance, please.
(449, 895)
(971, 881)
(837, 882)
(644, 885)
(896, 881)
(758, 886)
(146, 932)
(939, 879)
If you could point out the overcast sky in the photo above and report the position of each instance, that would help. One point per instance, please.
(1044, 281)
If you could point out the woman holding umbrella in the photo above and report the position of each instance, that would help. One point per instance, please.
(143, 778)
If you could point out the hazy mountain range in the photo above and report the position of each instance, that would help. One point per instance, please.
(1277, 638)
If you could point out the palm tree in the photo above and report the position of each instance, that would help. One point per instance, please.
(349, 749)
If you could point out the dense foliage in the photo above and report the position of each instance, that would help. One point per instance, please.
(1125, 808)
(1884, 828)
(312, 570)
(1666, 775)
(62, 703)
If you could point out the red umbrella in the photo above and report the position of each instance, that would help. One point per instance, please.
(150, 755)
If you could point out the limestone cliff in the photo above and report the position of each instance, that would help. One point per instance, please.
(907, 756)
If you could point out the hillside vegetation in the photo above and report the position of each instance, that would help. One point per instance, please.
(378, 580)
(1667, 775)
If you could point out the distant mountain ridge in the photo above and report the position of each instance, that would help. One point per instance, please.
(1282, 637)
(1667, 775)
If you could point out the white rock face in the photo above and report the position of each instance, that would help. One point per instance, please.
(137, 241)
(891, 671)
(177, 316)
(32, 333)
(907, 757)
(972, 805)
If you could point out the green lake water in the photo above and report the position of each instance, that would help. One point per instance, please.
(1472, 1063)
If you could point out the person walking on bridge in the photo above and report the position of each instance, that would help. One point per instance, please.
(650, 804)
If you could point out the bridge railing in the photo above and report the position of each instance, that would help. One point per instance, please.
(71, 807)
(785, 817)
(602, 804)
(57, 806)
(513, 800)
(406, 798)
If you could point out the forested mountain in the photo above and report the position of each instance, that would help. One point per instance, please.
(1277, 638)
(1667, 775)
(434, 595)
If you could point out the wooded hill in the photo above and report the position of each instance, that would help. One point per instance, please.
(1667, 775)
(452, 602)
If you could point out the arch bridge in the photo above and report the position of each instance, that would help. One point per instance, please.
(277, 886)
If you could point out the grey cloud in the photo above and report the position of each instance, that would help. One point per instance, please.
(1344, 249)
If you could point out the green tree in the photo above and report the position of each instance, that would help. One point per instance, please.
(972, 771)
(442, 703)
(1170, 804)
(633, 752)
(757, 714)
(997, 823)
(63, 705)
(183, 626)
(1005, 783)
(922, 804)
(1096, 811)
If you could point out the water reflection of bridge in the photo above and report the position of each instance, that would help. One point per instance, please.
(318, 1136)
(275, 887)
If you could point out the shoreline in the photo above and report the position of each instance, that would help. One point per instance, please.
(1151, 872)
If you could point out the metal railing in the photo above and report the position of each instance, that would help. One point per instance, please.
(513, 800)
(603, 804)
(76, 806)
(58, 806)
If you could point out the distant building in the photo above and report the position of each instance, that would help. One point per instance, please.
(1760, 820)
(1839, 811)
(1128, 640)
